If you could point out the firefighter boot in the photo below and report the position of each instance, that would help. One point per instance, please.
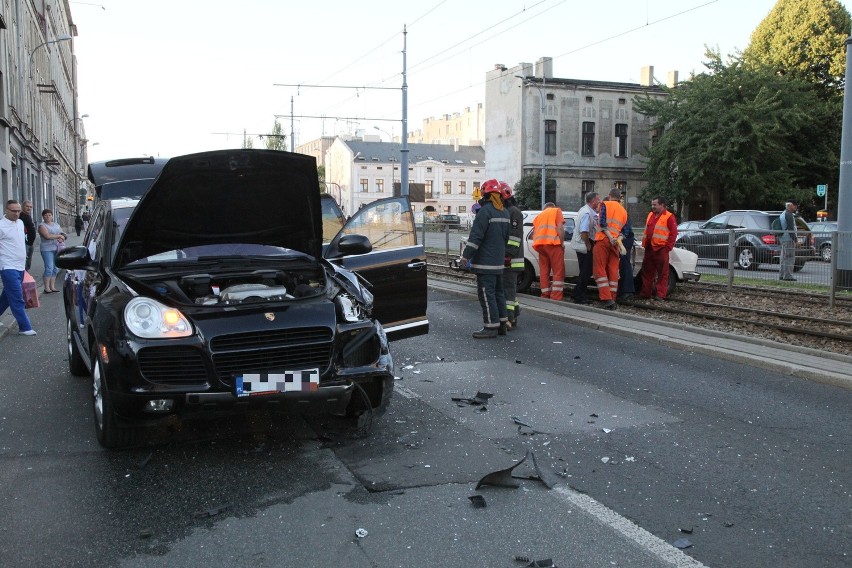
(485, 333)
(502, 329)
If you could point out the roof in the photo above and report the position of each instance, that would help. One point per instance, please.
(601, 85)
(387, 152)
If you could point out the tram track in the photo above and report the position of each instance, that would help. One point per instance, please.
(790, 317)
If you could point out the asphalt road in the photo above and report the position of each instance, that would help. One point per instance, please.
(753, 464)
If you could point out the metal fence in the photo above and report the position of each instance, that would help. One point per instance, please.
(823, 260)
(743, 257)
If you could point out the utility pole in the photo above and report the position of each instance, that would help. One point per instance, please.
(403, 166)
(844, 193)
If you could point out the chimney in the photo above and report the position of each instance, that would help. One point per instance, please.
(499, 67)
(544, 68)
(671, 80)
(646, 76)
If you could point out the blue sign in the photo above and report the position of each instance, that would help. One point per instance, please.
(821, 190)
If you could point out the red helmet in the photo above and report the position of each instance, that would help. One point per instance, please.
(490, 186)
(506, 190)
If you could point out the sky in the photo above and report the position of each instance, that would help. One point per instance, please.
(165, 78)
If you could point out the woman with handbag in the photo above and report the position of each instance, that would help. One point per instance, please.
(52, 241)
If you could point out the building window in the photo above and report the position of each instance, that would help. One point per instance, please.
(462, 187)
(620, 140)
(550, 137)
(380, 185)
(462, 208)
(588, 185)
(588, 99)
(622, 187)
(588, 138)
(428, 170)
(365, 185)
(428, 189)
(448, 187)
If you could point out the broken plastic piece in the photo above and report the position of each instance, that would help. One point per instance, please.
(682, 543)
(546, 563)
(478, 501)
(361, 533)
(687, 531)
(501, 478)
(545, 475)
(479, 399)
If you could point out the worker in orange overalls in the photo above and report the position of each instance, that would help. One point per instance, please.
(606, 255)
(549, 243)
(659, 240)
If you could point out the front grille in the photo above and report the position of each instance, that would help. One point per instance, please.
(270, 338)
(177, 365)
(271, 351)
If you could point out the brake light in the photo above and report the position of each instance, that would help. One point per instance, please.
(769, 240)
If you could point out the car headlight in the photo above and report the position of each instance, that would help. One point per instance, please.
(349, 309)
(152, 320)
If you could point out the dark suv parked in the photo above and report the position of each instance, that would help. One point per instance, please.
(755, 241)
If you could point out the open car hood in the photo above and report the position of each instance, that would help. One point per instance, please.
(264, 197)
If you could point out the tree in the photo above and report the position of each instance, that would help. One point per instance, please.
(276, 140)
(803, 38)
(528, 191)
(745, 133)
(248, 143)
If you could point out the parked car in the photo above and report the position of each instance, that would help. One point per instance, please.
(682, 263)
(213, 292)
(822, 238)
(125, 177)
(451, 221)
(687, 227)
(754, 241)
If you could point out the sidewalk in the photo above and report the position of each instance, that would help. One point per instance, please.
(7, 322)
(819, 366)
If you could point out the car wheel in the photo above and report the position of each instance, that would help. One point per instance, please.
(825, 252)
(106, 424)
(525, 278)
(746, 260)
(672, 281)
(76, 364)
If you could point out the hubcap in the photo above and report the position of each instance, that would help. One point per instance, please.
(745, 258)
(97, 394)
(826, 253)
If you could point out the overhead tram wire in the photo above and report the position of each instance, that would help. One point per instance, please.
(581, 48)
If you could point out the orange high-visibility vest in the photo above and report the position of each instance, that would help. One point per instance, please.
(616, 218)
(661, 229)
(545, 227)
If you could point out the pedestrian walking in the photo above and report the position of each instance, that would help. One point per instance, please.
(86, 217)
(13, 258)
(549, 242)
(658, 241)
(582, 242)
(484, 255)
(514, 262)
(52, 241)
(788, 239)
(29, 229)
(606, 254)
(78, 224)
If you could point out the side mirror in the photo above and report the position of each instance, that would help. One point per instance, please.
(354, 244)
(73, 258)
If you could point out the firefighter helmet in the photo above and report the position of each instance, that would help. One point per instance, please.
(490, 186)
(506, 190)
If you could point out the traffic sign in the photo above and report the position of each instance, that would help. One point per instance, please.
(821, 190)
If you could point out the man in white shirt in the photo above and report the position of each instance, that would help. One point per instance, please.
(13, 257)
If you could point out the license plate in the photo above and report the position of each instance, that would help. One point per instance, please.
(257, 384)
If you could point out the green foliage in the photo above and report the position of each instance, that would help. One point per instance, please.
(321, 176)
(748, 133)
(276, 139)
(805, 39)
(528, 191)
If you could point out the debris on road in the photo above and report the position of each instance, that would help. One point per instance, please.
(361, 533)
(682, 543)
(211, 512)
(521, 424)
(480, 399)
(502, 478)
(478, 501)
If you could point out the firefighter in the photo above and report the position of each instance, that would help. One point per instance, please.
(484, 255)
(514, 262)
(606, 255)
(549, 242)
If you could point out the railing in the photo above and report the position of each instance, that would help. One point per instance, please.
(754, 257)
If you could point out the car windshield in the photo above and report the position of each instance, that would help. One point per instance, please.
(134, 188)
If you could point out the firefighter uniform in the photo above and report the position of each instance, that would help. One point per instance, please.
(606, 257)
(484, 254)
(548, 229)
(514, 263)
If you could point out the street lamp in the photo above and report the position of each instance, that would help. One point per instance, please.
(64, 37)
(528, 82)
(386, 132)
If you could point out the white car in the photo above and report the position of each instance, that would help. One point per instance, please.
(681, 262)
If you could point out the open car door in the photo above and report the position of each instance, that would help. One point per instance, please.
(395, 268)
